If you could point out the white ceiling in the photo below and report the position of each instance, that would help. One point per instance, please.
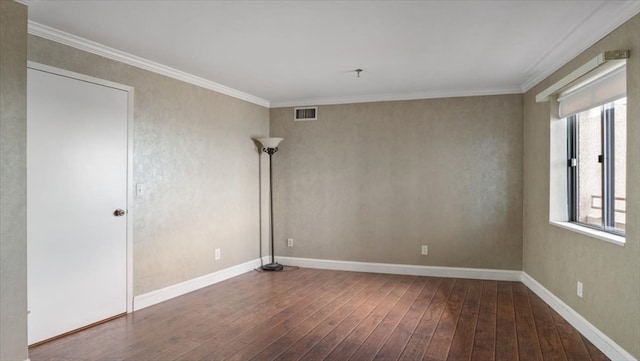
(280, 53)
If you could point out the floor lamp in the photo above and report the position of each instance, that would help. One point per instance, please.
(270, 146)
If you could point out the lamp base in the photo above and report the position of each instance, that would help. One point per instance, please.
(272, 267)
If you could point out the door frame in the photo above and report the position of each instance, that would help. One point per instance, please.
(130, 187)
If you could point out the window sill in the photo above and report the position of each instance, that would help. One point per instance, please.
(601, 235)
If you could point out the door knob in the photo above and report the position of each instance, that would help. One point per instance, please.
(119, 212)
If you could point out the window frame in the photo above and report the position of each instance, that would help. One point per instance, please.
(606, 159)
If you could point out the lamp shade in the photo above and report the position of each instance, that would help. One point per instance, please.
(270, 142)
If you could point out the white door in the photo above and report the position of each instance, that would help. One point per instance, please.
(76, 180)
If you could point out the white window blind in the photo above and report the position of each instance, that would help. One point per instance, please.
(593, 91)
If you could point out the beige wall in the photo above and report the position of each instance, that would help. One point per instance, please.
(373, 181)
(194, 153)
(13, 201)
(558, 258)
(366, 182)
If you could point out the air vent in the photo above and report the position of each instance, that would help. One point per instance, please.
(306, 113)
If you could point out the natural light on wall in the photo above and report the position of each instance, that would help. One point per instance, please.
(588, 148)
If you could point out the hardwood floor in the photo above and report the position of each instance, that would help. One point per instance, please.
(307, 314)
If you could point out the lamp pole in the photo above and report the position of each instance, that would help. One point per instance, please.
(273, 266)
(270, 146)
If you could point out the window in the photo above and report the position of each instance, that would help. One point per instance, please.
(596, 148)
(596, 118)
(587, 148)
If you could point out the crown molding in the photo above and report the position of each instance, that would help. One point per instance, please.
(77, 42)
(395, 97)
(25, 2)
(599, 23)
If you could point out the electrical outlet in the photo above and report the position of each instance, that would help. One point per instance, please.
(424, 250)
(217, 256)
(579, 291)
(289, 242)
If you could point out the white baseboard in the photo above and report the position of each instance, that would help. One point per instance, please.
(589, 331)
(163, 294)
(404, 269)
(611, 349)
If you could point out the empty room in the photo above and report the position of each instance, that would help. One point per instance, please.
(320, 180)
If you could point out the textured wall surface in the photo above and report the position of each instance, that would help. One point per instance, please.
(374, 181)
(366, 182)
(13, 183)
(558, 258)
(194, 153)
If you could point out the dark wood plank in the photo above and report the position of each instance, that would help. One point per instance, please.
(236, 338)
(462, 343)
(359, 334)
(484, 342)
(596, 355)
(572, 343)
(145, 317)
(441, 341)
(335, 337)
(527, 335)
(550, 343)
(374, 282)
(311, 314)
(419, 341)
(167, 315)
(506, 338)
(290, 338)
(149, 345)
(309, 341)
(392, 349)
(380, 334)
(143, 343)
(262, 331)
